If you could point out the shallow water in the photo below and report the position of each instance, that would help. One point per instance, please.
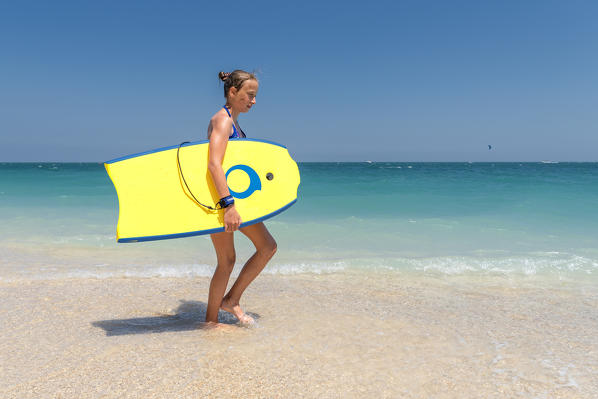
(517, 219)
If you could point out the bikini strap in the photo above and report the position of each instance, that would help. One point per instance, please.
(235, 134)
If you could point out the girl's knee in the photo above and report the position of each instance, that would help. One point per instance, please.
(227, 262)
(270, 248)
(274, 247)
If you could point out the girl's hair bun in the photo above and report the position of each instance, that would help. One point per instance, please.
(223, 75)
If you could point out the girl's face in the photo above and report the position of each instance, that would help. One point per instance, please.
(244, 98)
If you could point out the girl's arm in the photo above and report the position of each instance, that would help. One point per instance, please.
(216, 149)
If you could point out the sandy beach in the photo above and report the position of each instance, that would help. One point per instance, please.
(343, 335)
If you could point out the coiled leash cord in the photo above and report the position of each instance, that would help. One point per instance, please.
(215, 208)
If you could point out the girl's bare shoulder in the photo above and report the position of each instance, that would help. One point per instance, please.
(220, 123)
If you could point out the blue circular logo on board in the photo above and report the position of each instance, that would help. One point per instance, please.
(254, 181)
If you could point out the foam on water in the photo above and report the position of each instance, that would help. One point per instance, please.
(103, 263)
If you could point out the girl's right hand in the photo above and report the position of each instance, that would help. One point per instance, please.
(232, 219)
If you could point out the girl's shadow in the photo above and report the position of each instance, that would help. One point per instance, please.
(190, 315)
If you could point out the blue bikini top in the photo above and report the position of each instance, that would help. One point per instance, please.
(235, 134)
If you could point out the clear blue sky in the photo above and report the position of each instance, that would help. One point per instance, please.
(340, 81)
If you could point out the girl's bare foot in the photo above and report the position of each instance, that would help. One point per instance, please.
(212, 325)
(233, 307)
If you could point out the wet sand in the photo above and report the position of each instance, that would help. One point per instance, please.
(343, 335)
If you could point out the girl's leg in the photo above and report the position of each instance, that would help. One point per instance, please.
(265, 246)
(225, 253)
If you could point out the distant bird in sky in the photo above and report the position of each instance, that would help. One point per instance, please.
(489, 147)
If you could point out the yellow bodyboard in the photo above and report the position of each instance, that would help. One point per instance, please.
(155, 204)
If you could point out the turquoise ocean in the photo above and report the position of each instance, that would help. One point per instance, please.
(518, 220)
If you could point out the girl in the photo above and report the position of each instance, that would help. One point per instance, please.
(240, 90)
